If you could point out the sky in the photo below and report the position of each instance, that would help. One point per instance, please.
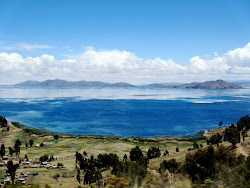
(135, 41)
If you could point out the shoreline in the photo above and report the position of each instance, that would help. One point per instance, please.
(201, 134)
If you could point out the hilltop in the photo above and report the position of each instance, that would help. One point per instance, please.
(64, 83)
(218, 84)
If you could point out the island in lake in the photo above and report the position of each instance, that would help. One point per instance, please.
(218, 84)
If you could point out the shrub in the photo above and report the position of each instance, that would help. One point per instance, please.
(135, 154)
(153, 152)
(59, 165)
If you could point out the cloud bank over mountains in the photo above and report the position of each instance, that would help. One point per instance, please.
(115, 66)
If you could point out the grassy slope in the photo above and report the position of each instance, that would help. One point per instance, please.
(67, 145)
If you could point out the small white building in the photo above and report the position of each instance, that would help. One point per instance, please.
(44, 163)
(5, 157)
(25, 175)
(21, 179)
(6, 180)
(26, 163)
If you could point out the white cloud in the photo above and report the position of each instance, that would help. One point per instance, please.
(9, 48)
(234, 61)
(30, 47)
(116, 66)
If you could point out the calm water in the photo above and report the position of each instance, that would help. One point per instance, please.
(123, 111)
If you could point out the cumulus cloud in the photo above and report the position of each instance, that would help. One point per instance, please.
(234, 61)
(116, 66)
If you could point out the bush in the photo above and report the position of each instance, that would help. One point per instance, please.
(216, 139)
(153, 152)
(232, 135)
(59, 165)
(44, 158)
(56, 176)
(244, 123)
(207, 162)
(135, 154)
(171, 165)
(177, 149)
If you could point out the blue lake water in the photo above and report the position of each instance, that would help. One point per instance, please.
(123, 111)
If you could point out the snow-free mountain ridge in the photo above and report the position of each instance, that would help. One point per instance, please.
(218, 84)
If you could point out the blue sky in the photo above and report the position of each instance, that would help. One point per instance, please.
(169, 29)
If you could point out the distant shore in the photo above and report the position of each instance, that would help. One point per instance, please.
(217, 84)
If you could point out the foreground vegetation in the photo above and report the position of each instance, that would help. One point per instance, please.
(216, 158)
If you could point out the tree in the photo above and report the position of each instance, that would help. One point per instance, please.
(177, 149)
(59, 165)
(153, 152)
(44, 158)
(125, 157)
(17, 149)
(31, 142)
(135, 154)
(244, 134)
(220, 124)
(92, 175)
(85, 154)
(166, 152)
(232, 135)
(18, 142)
(2, 151)
(3, 122)
(244, 123)
(201, 164)
(135, 171)
(171, 165)
(11, 151)
(143, 161)
(56, 137)
(216, 139)
(245, 170)
(11, 169)
(195, 145)
(78, 177)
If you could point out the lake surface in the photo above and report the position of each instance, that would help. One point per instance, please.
(123, 111)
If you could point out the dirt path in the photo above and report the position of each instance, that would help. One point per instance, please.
(241, 150)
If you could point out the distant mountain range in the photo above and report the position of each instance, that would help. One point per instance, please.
(218, 84)
(64, 83)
